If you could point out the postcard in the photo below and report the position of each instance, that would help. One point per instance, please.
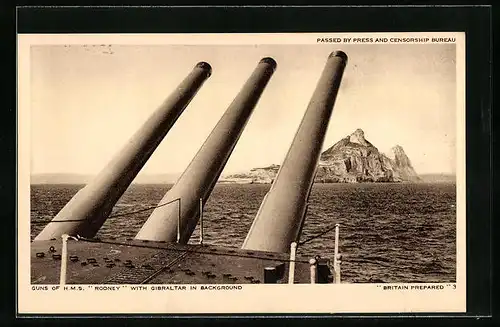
(241, 173)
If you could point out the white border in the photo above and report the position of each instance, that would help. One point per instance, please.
(324, 298)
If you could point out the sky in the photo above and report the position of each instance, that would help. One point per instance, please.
(88, 100)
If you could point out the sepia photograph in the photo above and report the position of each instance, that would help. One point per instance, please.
(217, 162)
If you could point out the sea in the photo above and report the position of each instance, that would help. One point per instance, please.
(389, 232)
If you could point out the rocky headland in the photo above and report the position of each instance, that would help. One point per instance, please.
(353, 159)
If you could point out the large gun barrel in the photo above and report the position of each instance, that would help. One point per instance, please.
(87, 211)
(180, 205)
(282, 213)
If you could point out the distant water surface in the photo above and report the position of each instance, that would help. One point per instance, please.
(388, 232)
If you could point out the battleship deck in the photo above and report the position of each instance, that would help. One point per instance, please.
(147, 262)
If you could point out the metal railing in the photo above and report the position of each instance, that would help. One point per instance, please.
(292, 259)
(314, 262)
(336, 258)
(64, 258)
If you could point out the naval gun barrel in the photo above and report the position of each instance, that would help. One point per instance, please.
(87, 211)
(182, 213)
(281, 216)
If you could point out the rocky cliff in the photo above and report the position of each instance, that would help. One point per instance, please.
(353, 159)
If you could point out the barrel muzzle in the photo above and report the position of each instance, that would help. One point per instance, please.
(340, 54)
(205, 66)
(270, 61)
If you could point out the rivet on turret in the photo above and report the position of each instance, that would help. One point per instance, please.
(129, 265)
